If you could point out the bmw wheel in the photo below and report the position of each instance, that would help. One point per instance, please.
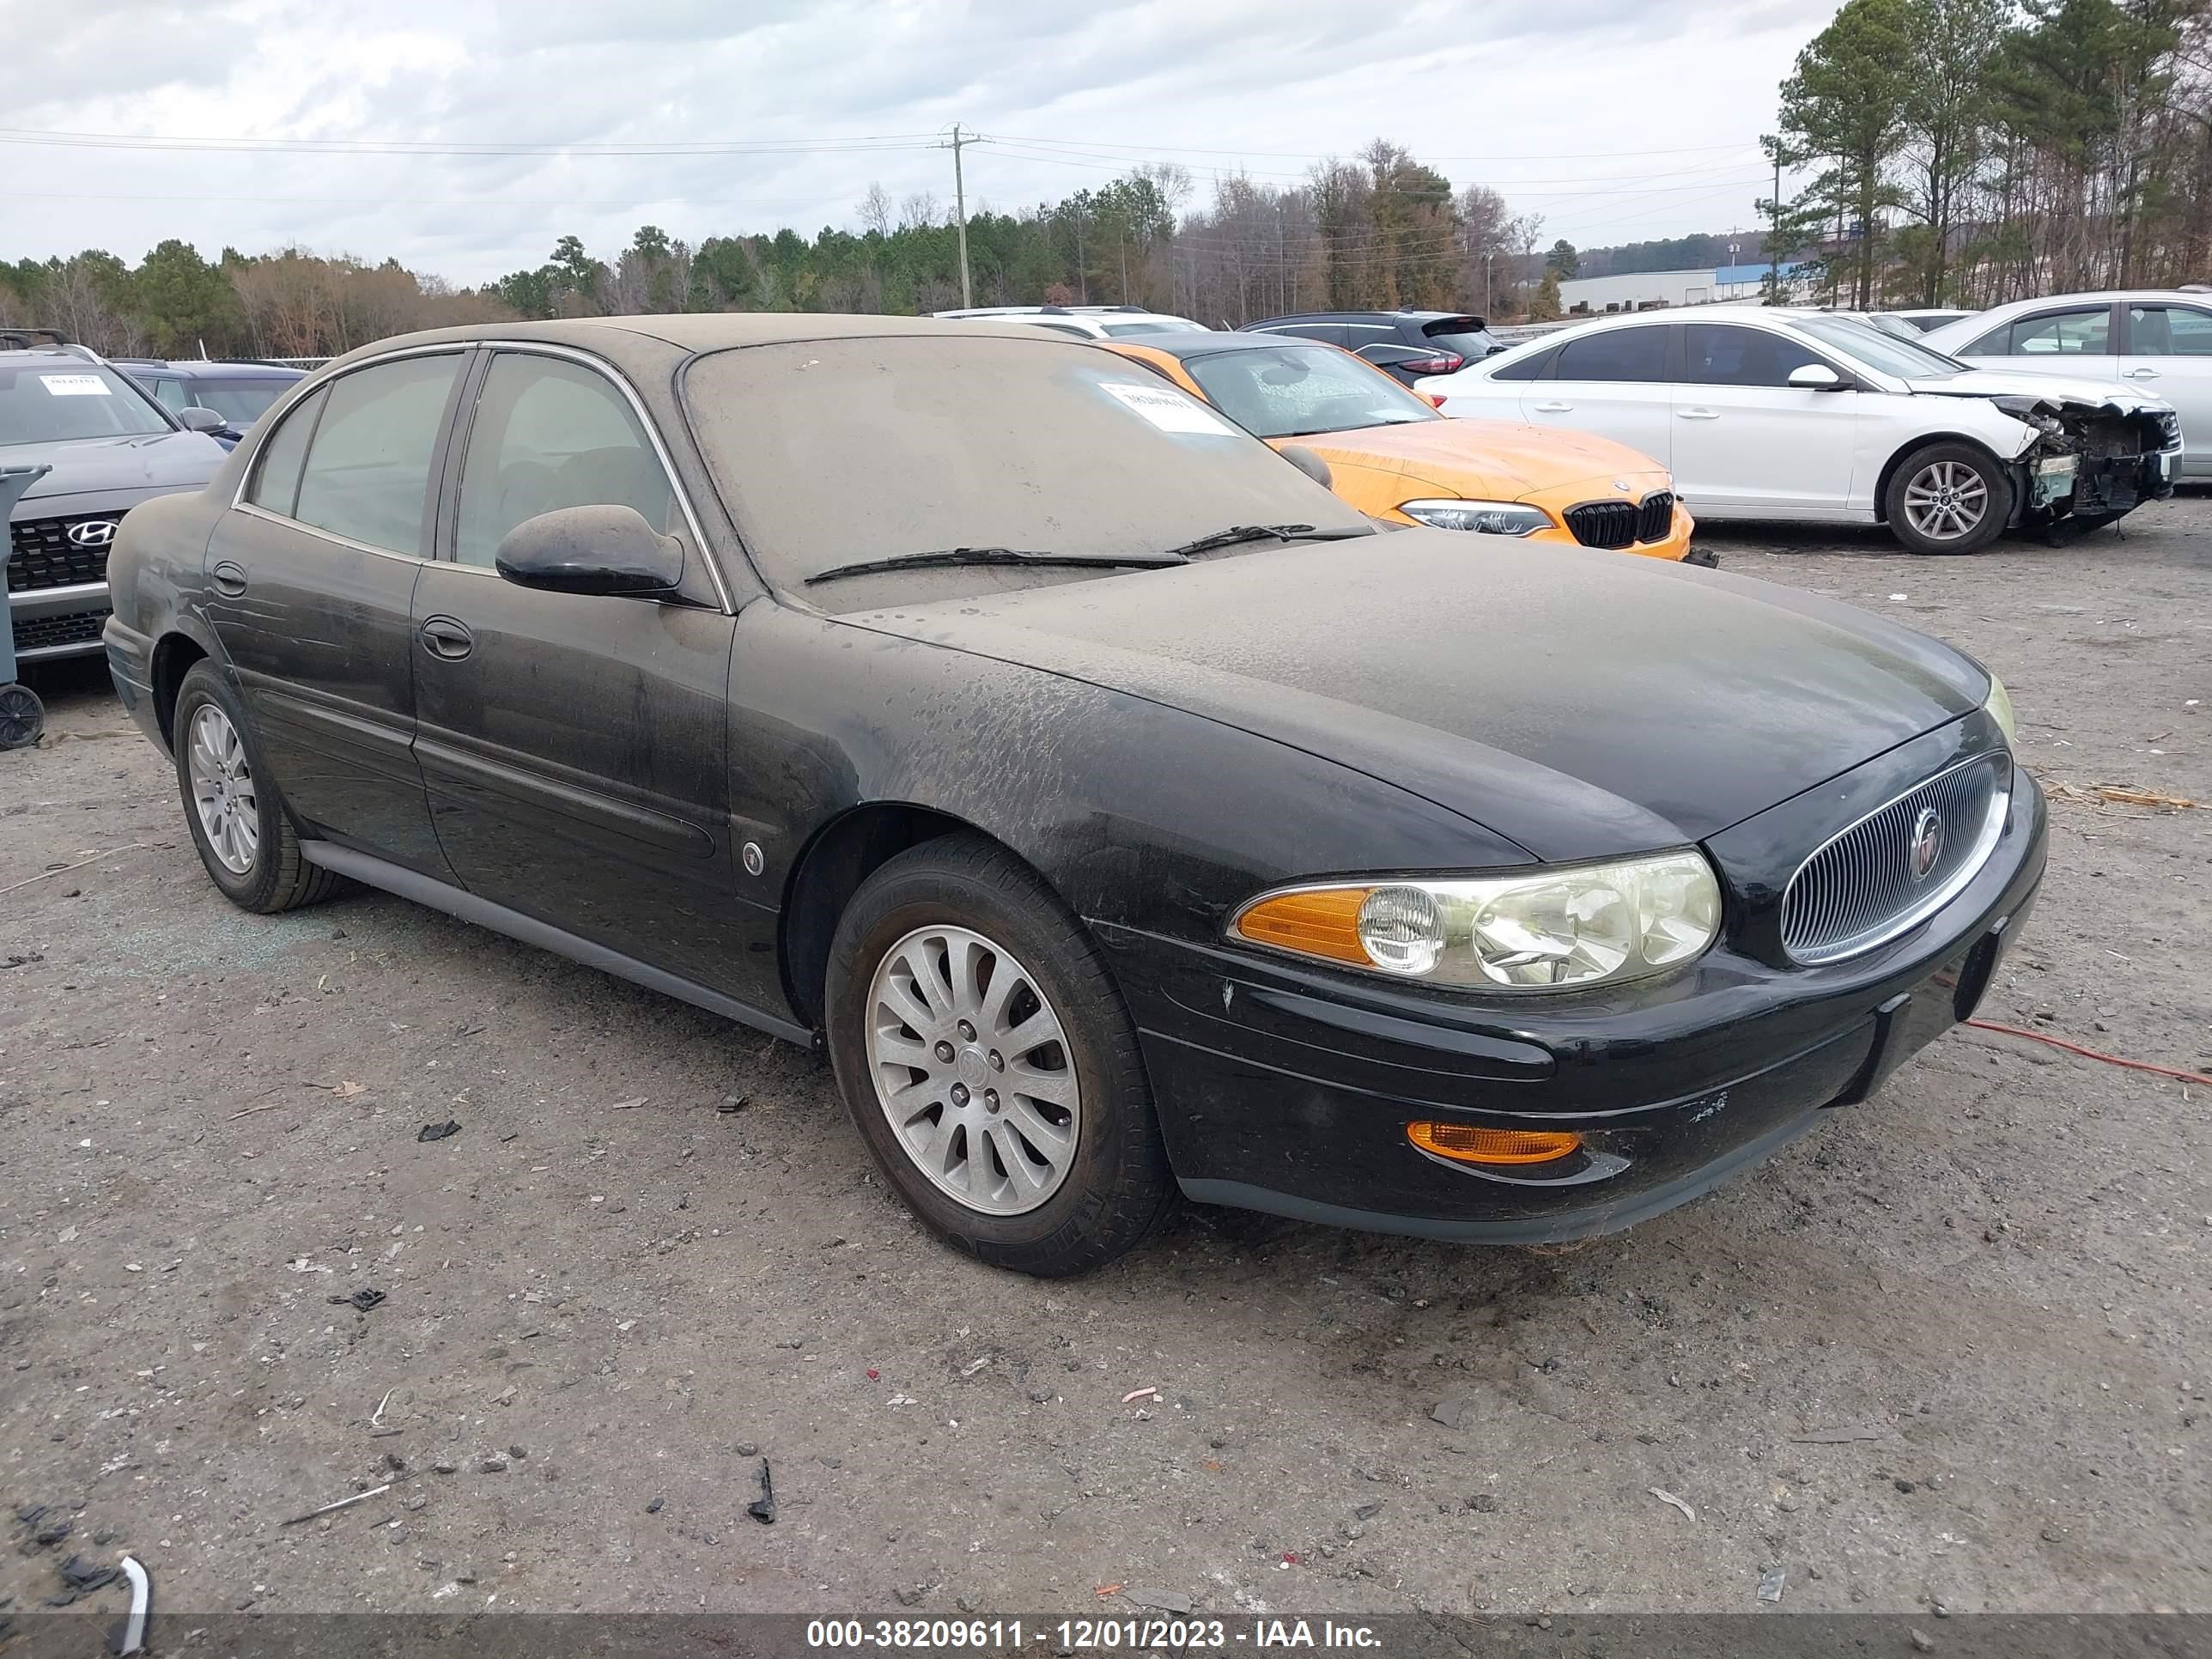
(990, 1065)
(237, 817)
(1948, 498)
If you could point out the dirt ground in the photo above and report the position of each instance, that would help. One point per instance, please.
(1949, 1352)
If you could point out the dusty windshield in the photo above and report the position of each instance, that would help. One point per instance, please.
(833, 453)
(1299, 391)
(49, 400)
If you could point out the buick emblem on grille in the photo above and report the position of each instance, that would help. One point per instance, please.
(1927, 843)
(93, 533)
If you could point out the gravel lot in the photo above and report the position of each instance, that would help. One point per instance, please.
(607, 1297)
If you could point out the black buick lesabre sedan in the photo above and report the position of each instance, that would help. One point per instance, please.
(1124, 813)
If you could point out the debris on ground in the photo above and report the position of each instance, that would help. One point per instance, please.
(1922, 1641)
(730, 1104)
(629, 1105)
(762, 1509)
(363, 1300)
(1159, 1601)
(2120, 794)
(1448, 1410)
(141, 1597)
(1681, 1503)
(80, 1578)
(1108, 1589)
(653, 1508)
(1139, 1394)
(437, 1131)
(1771, 1584)
(341, 1503)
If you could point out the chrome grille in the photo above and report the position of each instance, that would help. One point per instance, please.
(1861, 889)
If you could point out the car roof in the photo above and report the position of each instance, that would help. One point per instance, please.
(623, 339)
(1187, 343)
(196, 370)
(1347, 316)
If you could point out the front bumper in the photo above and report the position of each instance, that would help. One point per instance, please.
(58, 622)
(1288, 1088)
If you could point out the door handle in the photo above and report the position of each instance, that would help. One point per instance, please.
(1554, 408)
(1698, 414)
(446, 638)
(227, 578)
(2139, 373)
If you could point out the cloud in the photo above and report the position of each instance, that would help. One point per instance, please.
(1614, 118)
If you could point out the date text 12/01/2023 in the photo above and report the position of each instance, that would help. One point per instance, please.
(989, 1636)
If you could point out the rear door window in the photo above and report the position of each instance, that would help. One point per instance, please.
(2169, 331)
(1530, 367)
(1326, 333)
(367, 474)
(1615, 354)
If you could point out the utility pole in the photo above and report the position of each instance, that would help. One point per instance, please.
(1774, 241)
(960, 213)
(1486, 258)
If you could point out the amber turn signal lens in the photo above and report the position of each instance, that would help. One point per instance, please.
(1324, 922)
(1464, 1144)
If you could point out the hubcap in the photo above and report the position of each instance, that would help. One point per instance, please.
(1945, 500)
(971, 1068)
(222, 789)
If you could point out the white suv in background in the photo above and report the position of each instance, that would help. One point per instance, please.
(1803, 415)
(2154, 340)
(1084, 322)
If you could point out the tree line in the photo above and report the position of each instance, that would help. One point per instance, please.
(1970, 152)
(1377, 230)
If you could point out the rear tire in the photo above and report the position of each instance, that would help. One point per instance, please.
(957, 977)
(1948, 498)
(232, 803)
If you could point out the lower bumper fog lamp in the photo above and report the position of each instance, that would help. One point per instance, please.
(1463, 1144)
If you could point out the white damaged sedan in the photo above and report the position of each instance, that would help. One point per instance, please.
(1810, 415)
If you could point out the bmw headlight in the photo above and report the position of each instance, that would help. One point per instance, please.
(1556, 929)
(1999, 703)
(1483, 518)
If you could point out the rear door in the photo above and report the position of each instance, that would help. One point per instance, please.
(310, 588)
(1615, 383)
(1744, 438)
(574, 745)
(2166, 349)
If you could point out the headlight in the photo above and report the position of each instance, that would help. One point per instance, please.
(1559, 928)
(1999, 703)
(1483, 518)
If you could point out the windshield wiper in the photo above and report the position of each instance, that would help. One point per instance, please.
(945, 556)
(1238, 534)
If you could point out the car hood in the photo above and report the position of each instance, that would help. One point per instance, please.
(1483, 456)
(160, 460)
(2028, 383)
(1578, 703)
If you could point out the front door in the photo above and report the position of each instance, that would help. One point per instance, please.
(1744, 438)
(311, 588)
(575, 747)
(1614, 383)
(2167, 350)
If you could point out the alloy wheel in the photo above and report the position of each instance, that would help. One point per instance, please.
(1947, 501)
(970, 1065)
(222, 789)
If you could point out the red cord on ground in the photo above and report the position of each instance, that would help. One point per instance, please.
(2091, 1053)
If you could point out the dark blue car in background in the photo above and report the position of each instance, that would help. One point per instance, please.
(240, 393)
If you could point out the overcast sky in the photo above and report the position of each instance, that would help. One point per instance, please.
(1616, 119)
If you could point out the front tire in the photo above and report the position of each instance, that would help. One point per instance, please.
(237, 817)
(990, 1065)
(1948, 498)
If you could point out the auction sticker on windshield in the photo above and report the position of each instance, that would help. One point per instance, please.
(75, 386)
(1168, 408)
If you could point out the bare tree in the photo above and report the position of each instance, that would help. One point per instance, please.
(876, 209)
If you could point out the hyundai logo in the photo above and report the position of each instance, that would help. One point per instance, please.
(93, 533)
(1927, 843)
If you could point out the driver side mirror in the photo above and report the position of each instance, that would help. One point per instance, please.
(591, 550)
(193, 417)
(1815, 376)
